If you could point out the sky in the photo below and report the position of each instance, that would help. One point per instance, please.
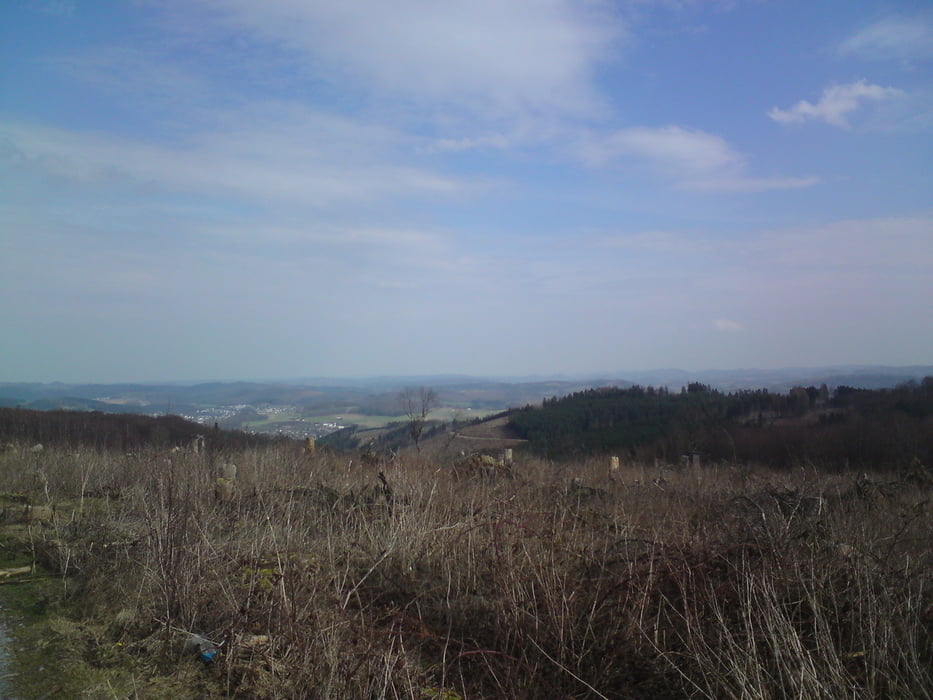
(232, 189)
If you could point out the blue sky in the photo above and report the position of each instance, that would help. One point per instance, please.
(207, 189)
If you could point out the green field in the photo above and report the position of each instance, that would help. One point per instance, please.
(362, 420)
(448, 414)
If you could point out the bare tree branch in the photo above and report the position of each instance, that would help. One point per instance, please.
(417, 404)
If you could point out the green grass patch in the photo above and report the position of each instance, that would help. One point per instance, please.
(361, 420)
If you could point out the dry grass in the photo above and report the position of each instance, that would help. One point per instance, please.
(325, 581)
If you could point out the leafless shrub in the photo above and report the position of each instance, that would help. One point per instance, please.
(406, 579)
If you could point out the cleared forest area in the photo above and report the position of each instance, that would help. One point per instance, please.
(268, 571)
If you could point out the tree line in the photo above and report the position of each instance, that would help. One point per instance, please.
(879, 428)
(123, 431)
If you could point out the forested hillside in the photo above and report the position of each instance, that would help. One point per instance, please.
(855, 427)
(112, 430)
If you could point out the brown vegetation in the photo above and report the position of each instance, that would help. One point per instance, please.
(318, 577)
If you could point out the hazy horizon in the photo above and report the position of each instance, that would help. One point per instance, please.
(505, 188)
(613, 375)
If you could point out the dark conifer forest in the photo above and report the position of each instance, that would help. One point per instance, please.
(858, 428)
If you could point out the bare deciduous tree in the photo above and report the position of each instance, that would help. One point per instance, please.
(417, 403)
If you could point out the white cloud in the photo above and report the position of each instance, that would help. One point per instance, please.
(410, 242)
(742, 183)
(886, 247)
(835, 104)
(304, 160)
(147, 73)
(897, 37)
(693, 159)
(728, 326)
(829, 288)
(652, 242)
(492, 56)
(672, 147)
(55, 8)
(467, 143)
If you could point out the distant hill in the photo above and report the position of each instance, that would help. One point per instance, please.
(110, 430)
(378, 395)
(859, 377)
(867, 428)
(69, 403)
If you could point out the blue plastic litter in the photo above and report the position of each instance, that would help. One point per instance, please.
(206, 649)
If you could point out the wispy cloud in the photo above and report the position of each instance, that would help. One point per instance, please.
(692, 159)
(491, 56)
(329, 237)
(55, 8)
(835, 104)
(899, 37)
(665, 243)
(672, 147)
(727, 326)
(885, 247)
(146, 73)
(311, 161)
(492, 141)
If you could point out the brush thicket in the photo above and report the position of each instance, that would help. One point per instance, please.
(324, 576)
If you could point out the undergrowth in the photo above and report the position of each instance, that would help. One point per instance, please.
(321, 577)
